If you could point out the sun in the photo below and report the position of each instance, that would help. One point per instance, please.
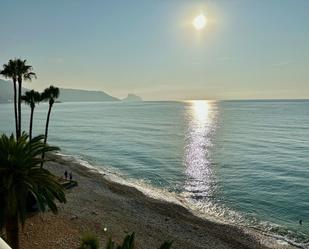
(199, 22)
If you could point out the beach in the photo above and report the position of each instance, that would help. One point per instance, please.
(222, 166)
(99, 203)
(179, 124)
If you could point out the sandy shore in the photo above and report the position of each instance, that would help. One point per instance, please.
(97, 203)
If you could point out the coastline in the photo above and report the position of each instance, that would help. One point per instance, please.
(99, 202)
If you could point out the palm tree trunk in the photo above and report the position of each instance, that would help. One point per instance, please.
(30, 126)
(11, 229)
(15, 107)
(19, 108)
(46, 132)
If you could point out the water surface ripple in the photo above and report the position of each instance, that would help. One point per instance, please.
(242, 161)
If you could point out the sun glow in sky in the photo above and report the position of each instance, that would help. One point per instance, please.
(160, 50)
(200, 22)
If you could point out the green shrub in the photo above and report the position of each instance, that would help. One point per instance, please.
(128, 243)
(110, 244)
(89, 241)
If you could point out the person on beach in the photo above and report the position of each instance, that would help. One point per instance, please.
(300, 222)
(66, 175)
(71, 176)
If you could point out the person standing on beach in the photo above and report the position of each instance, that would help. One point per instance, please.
(71, 176)
(66, 175)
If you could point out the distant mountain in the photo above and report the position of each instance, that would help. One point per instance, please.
(6, 91)
(75, 95)
(132, 98)
(66, 95)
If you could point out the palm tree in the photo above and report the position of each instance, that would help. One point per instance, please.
(31, 98)
(50, 94)
(22, 176)
(9, 71)
(18, 70)
(24, 72)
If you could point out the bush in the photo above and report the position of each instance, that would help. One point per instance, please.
(128, 243)
(89, 241)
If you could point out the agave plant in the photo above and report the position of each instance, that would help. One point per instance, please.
(22, 176)
(128, 243)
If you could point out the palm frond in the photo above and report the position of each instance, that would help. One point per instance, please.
(21, 174)
(31, 98)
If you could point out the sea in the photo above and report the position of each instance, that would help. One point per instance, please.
(239, 162)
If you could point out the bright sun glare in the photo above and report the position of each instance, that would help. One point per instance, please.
(199, 22)
(201, 111)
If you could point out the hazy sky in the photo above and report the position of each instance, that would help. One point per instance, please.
(249, 49)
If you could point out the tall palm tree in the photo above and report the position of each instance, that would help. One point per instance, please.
(9, 72)
(50, 94)
(31, 98)
(22, 176)
(23, 72)
(18, 70)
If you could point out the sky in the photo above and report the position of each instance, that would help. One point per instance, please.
(248, 49)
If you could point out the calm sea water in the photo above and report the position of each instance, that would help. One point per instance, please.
(242, 161)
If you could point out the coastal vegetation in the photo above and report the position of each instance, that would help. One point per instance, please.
(67, 95)
(18, 70)
(31, 98)
(50, 94)
(9, 72)
(90, 241)
(23, 181)
(22, 177)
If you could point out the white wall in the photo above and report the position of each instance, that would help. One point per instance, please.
(3, 245)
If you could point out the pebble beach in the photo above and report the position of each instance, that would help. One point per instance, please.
(110, 209)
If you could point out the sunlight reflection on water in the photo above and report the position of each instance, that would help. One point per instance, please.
(201, 121)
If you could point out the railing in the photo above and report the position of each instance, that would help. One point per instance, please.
(4, 245)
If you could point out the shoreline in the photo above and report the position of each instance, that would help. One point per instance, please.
(99, 202)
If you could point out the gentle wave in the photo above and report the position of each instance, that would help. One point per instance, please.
(243, 161)
(212, 212)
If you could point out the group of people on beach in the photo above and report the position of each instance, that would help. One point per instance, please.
(66, 175)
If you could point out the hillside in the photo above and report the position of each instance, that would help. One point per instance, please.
(74, 95)
(66, 95)
(6, 91)
(132, 98)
